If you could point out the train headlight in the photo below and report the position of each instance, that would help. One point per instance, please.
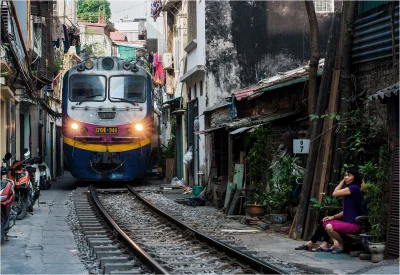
(89, 65)
(139, 127)
(74, 126)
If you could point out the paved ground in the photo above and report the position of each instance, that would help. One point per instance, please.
(282, 247)
(42, 242)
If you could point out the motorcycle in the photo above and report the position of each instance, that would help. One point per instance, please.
(43, 173)
(31, 165)
(7, 195)
(23, 187)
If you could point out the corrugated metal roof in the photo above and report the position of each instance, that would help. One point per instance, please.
(240, 130)
(278, 81)
(385, 93)
(373, 36)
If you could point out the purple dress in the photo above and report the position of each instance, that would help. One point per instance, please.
(351, 209)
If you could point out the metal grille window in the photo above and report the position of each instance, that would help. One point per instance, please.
(192, 20)
(323, 6)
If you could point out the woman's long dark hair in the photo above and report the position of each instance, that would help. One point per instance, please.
(356, 174)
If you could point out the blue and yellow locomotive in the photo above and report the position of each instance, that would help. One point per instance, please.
(107, 119)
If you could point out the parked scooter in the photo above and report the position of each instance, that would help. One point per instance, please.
(44, 173)
(7, 195)
(23, 187)
(34, 175)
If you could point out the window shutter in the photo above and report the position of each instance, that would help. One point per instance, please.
(392, 238)
(4, 14)
(192, 21)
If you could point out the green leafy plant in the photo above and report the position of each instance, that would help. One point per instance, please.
(375, 193)
(258, 199)
(284, 173)
(165, 152)
(260, 155)
(330, 202)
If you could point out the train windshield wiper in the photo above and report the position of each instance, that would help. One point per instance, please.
(126, 100)
(87, 98)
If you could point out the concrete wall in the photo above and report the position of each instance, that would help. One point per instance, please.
(250, 41)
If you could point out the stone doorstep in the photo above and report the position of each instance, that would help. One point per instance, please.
(105, 248)
(109, 260)
(118, 267)
(107, 254)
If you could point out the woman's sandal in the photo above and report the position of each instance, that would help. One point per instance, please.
(317, 249)
(337, 251)
(302, 247)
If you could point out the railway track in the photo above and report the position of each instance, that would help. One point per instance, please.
(146, 239)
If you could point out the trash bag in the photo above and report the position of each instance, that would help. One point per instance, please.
(187, 159)
(196, 201)
(177, 181)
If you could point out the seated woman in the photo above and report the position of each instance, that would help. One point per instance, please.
(344, 222)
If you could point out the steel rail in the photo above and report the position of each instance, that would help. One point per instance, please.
(243, 258)
(147, 259)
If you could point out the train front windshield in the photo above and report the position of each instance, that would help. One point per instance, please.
(127, 87)
(87, 87)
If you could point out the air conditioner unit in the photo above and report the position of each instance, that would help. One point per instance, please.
(167, 61)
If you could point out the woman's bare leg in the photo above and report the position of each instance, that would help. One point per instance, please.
(337, 240)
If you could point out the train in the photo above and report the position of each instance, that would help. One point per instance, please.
(107, 119)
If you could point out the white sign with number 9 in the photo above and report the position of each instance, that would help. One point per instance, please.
(301, 146)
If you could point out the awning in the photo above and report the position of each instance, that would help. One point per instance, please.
(240, 130)
(174, 102)
(256, 91)
(384, 94)
(194, 72)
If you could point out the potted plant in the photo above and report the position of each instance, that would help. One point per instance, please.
(375, 193)
(284, 173)
(258, 160)
(256, 205)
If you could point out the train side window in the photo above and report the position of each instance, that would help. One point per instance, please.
(87, 88)
(127, 87)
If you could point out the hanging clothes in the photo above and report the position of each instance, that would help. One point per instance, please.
(66, 41)
(159, 76)
(155, 60)
(57, 32)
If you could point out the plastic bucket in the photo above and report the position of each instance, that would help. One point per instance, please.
(196, 190)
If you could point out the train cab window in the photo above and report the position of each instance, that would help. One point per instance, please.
(130, 88)
(87, 88)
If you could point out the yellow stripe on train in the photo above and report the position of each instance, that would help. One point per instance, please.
(106, 148)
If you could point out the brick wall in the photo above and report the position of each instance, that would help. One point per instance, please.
(372, 77)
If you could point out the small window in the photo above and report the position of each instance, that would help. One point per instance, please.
(324, 6)
(201, 88)
(87, 88)
(130, 88)
(195, 91)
